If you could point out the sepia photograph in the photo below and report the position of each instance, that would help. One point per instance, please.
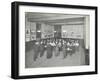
(54, 39)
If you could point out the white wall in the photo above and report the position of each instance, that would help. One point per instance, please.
(76, 29)
(31, 28)
(5, 41)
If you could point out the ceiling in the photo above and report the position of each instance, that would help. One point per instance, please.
(55, 18)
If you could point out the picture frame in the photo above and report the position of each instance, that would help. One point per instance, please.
(20, 68)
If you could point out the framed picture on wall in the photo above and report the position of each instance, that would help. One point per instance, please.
(51, 40)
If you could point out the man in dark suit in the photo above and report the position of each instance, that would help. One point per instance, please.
(36, 50)
(49, 50)
(42, 48)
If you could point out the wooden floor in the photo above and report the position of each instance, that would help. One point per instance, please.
(76, 59)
